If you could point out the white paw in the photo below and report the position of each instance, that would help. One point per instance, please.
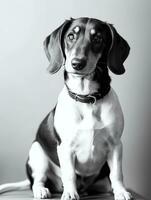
(122, 195)
(70, 195)
(41, 192)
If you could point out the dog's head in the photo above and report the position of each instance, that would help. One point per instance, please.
(83, 44)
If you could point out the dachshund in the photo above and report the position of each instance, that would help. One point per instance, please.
(78, 148)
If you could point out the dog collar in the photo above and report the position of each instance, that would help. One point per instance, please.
(90, 98)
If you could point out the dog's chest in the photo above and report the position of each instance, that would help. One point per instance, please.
(84, 131)
(88, 130)
(90, 143)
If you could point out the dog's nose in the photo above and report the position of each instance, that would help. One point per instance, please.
(78, 64)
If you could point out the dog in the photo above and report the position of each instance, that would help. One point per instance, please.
(77, 149)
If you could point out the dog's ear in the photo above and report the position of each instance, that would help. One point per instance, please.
(118, 52)
(53, 46)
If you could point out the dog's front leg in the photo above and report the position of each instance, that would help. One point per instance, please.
(67, 161)
(116, 174)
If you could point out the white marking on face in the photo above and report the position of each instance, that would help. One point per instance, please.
(77, 29)
(93, 31)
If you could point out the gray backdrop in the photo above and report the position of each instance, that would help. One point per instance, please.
(28, 92)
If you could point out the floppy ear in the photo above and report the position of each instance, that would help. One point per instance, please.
(118, 52)
(53, 46)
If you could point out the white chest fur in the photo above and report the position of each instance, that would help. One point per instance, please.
(88, 129)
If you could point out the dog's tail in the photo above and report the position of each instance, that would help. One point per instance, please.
(22, 185)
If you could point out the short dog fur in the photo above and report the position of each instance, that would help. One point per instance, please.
(77, 149)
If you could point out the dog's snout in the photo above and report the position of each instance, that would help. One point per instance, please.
(78, 64)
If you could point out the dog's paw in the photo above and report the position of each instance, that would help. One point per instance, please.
(123, 195)
(70, 195)
(41, 192)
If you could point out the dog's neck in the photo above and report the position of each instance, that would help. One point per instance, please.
(82, 85)
(97, 81)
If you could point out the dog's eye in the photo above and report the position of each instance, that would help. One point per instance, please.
(71, 36)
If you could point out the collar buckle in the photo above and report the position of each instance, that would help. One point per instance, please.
(93, 97)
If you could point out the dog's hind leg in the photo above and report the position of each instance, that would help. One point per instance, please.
(38, 163)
